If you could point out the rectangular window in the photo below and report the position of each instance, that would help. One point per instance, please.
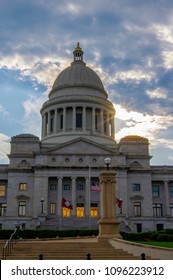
(66, 187)
(80, 210)
(96, 122)
(80, 187)
(78, 120)
(52, 208)
(139, 227)
(137, 209)
(155, 191)
(2, 190)
(66, 212)
(52, 187)
(171, 211)
(61, 121)
(94, 210)
(51, 124)
(159, 227)
(136, 187)
(22, 208)
(157, 210)
(3, 208)
(171, 191)
(22, 186)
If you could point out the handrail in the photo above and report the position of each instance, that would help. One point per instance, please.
(7, 249)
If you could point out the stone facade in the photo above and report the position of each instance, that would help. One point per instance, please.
(77, 135)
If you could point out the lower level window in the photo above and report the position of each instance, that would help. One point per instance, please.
(3, 208)
(53, 208)
(80, 210)
(137, 209)
(22, 208)
(94, 210)
(66, 212)
(157, 210)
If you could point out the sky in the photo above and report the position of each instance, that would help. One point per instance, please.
(128, 43)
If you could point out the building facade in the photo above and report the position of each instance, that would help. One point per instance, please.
(78, 133)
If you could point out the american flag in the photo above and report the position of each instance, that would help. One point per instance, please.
(95, 187)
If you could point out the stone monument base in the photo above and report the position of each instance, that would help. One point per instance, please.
(108, 229)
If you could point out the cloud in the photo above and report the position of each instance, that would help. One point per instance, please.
(4, 148)
(158, 93)
(32, 117)
(3, 111)
(145, 125)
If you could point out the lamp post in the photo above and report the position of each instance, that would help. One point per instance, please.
(107, 161)
(42, 202)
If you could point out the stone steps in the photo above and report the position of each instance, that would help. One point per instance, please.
(68, 250)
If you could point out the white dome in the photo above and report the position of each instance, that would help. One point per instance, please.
(78, 74)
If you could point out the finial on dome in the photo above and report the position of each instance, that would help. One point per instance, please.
(78, 53)
(78, 48)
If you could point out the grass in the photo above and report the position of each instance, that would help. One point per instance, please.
(157, 243)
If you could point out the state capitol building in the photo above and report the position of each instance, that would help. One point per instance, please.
(78, 133)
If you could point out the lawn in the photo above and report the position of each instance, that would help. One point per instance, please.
(157, 243)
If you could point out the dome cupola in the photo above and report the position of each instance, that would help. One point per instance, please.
(77, 75)
(78, 53)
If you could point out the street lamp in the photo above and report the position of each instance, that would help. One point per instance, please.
(42, 201)
(107, 161)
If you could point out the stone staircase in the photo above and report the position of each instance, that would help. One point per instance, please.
(76, 249)
(72, 223)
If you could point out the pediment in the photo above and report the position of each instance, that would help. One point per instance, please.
(79, 146)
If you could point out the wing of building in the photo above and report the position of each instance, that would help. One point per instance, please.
(78, 133)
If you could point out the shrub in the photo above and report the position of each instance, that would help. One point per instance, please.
(134, 236)
(6, 233)
(153, 235)
(163, 237)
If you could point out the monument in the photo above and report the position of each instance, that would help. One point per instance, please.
(108, 224)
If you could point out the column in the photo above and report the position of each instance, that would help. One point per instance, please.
(84, 119)
(74, 195)
(93, 120)
(166, 198)
(74, 118)
(64, 119)
(102, 122)
(48, 129)
(113, 127)
(59, 208)
(108, 224)
(87, 196)
(55, 120)
(43, 125)
(107, 123)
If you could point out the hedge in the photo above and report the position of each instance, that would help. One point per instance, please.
(45, 233)
(163, 235)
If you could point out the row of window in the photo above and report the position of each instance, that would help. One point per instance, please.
(22, 187)
(80, 213)
(80, 210)
(157, 210)
(66, 187)
(135, 187)
(155, 190)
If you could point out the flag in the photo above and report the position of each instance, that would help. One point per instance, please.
(66, 204)
(119, 202)
(95, 187)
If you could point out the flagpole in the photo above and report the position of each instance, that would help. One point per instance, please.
(89, 202)
(61, 200)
